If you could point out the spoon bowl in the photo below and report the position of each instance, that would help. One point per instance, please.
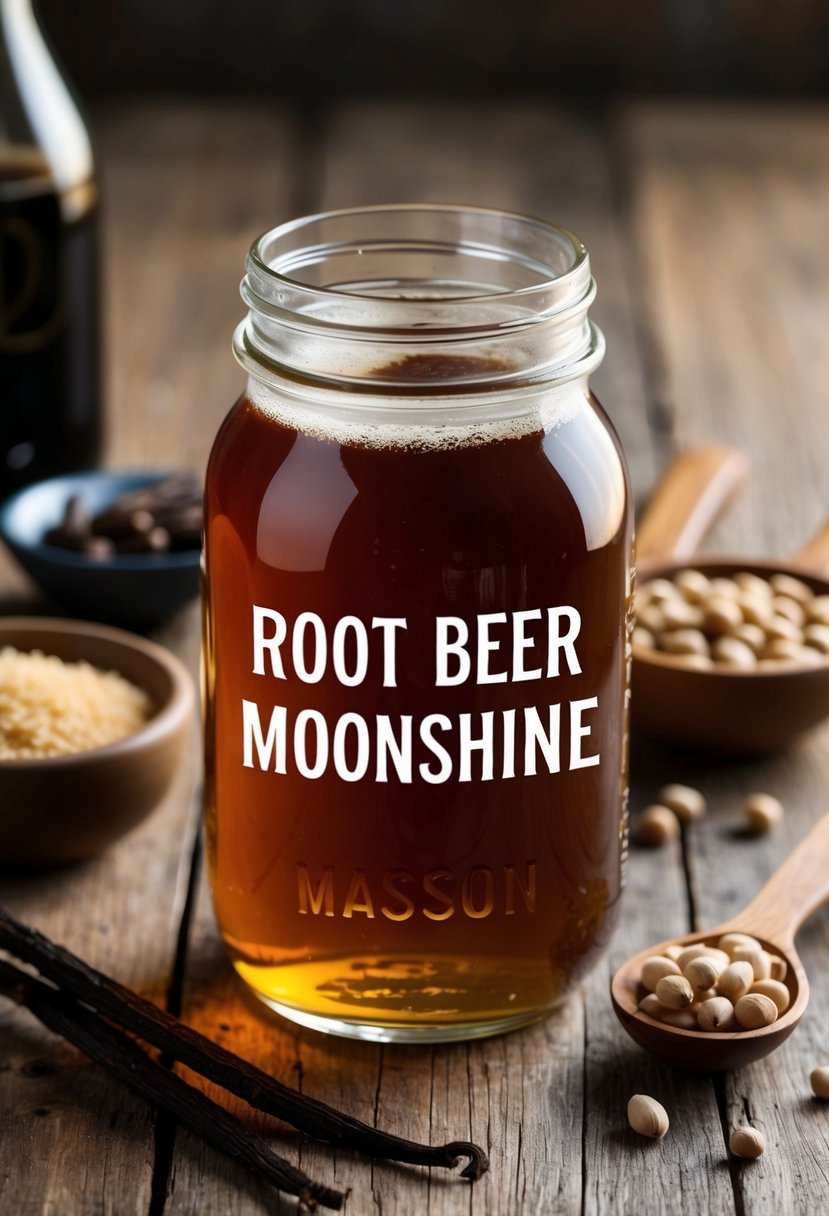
(698, 1050)
(789, 898)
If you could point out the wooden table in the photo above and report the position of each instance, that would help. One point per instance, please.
(707, 227)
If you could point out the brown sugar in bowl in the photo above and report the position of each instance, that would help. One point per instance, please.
(59, 809)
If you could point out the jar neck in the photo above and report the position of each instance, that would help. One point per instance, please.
(430, 302)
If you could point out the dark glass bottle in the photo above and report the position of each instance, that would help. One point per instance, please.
(50, 393)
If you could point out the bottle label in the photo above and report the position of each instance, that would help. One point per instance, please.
(30, 314)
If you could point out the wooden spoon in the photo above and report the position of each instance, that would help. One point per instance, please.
(727, 710)
(788, 899)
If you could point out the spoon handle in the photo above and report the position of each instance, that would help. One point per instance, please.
(814, 556)
(794, 892)
(687, 500)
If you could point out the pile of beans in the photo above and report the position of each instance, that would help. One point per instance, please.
(742, 622)
(735, 985)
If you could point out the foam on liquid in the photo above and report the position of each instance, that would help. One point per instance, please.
(419, 425)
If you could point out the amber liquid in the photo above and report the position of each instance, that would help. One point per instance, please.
(50, 408)
(396, 908)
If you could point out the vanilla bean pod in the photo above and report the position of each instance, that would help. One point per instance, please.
(121, 1056)
(259, 1090)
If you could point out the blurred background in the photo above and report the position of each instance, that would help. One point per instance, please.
(313, 49)
(685, 141)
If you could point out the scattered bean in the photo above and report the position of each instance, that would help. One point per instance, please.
(657, 825)
(643, 637)
(762, 813)
(647, 1116)
(747, 1142)
(819, 1080)
(686, 802)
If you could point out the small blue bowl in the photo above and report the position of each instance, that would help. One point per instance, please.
(137, 589)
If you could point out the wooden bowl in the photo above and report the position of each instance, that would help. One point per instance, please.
(64, 808)
(726, 710)
(723, 710)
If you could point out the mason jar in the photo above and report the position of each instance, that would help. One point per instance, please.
(416, 593)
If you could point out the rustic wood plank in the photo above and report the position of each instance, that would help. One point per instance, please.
(192, 186)
(204, 1181)
(188, 187)
(731, 204)
(120, 911)
(728, 204)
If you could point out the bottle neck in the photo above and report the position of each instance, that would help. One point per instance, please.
(39, 112)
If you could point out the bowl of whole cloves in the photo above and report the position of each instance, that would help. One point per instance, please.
(122, 547)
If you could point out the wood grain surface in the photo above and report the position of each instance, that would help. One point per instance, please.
(706, 227)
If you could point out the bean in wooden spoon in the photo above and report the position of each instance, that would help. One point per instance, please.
(788, 899)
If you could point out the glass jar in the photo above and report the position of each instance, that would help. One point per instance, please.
(417, 581)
